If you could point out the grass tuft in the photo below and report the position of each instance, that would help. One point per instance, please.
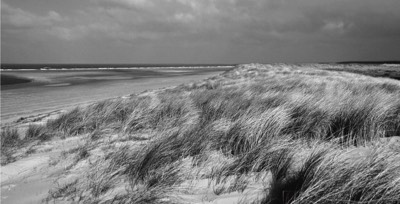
(38, 132)
(9, 137)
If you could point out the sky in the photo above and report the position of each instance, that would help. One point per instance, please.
(199, 31)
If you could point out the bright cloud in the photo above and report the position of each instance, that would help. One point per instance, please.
(336, 26)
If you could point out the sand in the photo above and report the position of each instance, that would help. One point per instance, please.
(28, 180)
(10, 80)
(55, 90)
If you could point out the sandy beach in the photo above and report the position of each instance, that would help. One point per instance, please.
(50, 93)
(55, 90)
(93, 151)
(201, 102)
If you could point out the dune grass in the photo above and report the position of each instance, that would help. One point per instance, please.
(37, 132)
(372, 178)
(305, 126)
(12, 140)
(9, 137)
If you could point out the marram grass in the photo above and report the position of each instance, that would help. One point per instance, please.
(315, 132)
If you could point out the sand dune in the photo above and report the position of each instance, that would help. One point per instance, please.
(256, 134)
(32, 176)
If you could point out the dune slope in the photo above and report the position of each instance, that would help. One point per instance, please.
(257, 134)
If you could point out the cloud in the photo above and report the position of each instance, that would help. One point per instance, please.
(154, 19)
(339, 27)
(232, 18)
(130, 4)
(250, 25)
(270, 18)
(17, 21)
(69, 33)
(18, 18)
(184, 17)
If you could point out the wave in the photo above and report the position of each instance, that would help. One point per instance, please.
(18, 70)
(391, 65)
(118, 68)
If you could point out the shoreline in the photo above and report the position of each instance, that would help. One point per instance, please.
(82, 92)
(63, 79)
(118, 68)
(66, 161)
(23, 173)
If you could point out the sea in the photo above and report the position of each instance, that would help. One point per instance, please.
(33, 89)
(55, 67)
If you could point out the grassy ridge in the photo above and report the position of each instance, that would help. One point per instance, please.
(300, 134)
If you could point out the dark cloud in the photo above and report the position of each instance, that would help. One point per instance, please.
(235, 31)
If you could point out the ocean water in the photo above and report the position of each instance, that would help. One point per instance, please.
(63, 87)
(31, 67)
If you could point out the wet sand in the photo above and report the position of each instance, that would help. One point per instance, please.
(55, 90)
(11, 80)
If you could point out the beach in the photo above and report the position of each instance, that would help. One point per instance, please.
(53, 90)
(201, 102)
(214, 138)
(37, 95)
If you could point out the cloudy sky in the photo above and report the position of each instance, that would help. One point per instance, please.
(198, 31)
